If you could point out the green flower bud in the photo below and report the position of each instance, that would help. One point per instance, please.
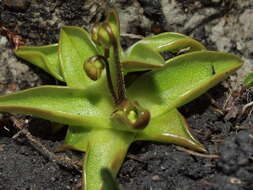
(132, 114)
(105, 35)
(94, 33)
(93, 67)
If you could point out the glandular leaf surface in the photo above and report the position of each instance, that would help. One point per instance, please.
(182, 79)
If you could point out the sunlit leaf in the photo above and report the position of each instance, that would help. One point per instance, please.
(75, 47)
(170, 127)
(108, 151)
(171, 41)
(140, 58)
(60, 104)
(77, 138)
(183, 78)
(45, 57)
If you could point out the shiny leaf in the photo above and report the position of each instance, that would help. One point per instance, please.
(107, 148)
(183, 78)
(60, 104)
(140, 58)
(170, 127)
(77, 138)
(75, 47)
(45, 57)
(171, 41)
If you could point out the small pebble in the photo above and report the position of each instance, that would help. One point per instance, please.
(156, 178)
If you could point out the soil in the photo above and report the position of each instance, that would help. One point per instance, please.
(216, 118)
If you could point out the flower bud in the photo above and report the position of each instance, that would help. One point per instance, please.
(132, 114)
(94, 33)
(93, 67)
(105, 35)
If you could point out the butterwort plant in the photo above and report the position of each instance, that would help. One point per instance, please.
(106, 110)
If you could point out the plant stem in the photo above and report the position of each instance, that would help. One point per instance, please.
(118, 84)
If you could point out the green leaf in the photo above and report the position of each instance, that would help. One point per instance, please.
(170, 127)
(75, 47)
(170, 41)
(183, 78)
(109, 182)
(61, 104)
(77, 138)
(141, 57)
(248, 81)
(107, 148)
(45, 57)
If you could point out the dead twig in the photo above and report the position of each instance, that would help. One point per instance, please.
(240, 127)
(132, 36)
(216, 107)
(133, 157)
(217, 140)
(15, 39)
(64, 161)
(213, 156)
(246, 106)
(227, 100)
(206, 182)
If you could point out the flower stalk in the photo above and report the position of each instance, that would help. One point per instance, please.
(126, 111)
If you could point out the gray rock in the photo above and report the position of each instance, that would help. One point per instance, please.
(19, 5)
(14, 75)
